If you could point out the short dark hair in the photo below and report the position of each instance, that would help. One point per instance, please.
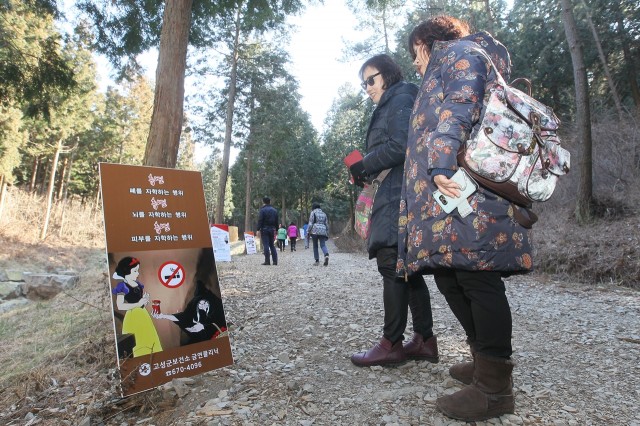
(315, 206)
(389, 70)
(266, 200)
(437, 28)
(125, 266)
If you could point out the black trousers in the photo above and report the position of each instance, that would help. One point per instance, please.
(479, 302)
(266, 236)
(398, 295)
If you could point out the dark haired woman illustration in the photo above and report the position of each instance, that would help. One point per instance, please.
(203, 317)
(130, 297)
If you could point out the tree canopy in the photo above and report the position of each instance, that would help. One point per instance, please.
(49, 101)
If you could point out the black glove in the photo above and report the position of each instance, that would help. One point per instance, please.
(358, 173)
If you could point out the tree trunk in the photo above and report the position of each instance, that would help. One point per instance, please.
(283, 218)
(68, 176)
(3, 193)
(603, 60)
(248, 226)
(248, 223)
(96, 205)
(62, 195)
(166, 121)
(63, 206)
(50, 188)
(62, 178)
(583, 114)
(487, 9)
(385, 29)
(224, 170)
(34, 173)
(45, 173)
(302, 219)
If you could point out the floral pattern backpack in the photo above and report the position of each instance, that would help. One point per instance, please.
(516, 151)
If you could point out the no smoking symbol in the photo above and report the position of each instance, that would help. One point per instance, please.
(171, 274)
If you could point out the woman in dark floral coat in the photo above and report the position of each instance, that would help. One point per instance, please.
(468, 256)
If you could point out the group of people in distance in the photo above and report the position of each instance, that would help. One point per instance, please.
(316, 230)
(416, 132)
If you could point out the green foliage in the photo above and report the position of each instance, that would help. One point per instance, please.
(32, 69)
(210, 169)
(285, 157)
(12, 137)
(129, 27)
(48, 89)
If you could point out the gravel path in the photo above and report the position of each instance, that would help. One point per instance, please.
(577, 350)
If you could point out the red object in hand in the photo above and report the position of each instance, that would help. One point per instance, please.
(352, 158)
(155, 306)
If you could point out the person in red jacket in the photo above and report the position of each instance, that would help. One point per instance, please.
(292, 233)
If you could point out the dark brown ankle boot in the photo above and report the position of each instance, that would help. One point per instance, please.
(489, 395)
(383, 353)
(463, 371)
(418, 348)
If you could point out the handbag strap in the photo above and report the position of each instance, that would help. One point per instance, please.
(383, 174)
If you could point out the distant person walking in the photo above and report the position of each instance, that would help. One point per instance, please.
(306, 235)
(282, 236)
(267, 223)
(319, 232)
(292, 232)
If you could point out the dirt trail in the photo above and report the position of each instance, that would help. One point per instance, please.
(296, 326)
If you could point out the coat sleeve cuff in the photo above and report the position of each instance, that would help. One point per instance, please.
(447, 172)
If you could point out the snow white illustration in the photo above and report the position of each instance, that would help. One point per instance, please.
(131, 298)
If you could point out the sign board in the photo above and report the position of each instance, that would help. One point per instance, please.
(221, 245)
(168, 317)
(250, 242)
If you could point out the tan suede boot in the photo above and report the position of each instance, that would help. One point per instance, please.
(489, 395)
(463, 371)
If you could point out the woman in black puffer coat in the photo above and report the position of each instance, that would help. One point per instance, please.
(386, 146)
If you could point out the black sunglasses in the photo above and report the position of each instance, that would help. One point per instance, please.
(369, 81)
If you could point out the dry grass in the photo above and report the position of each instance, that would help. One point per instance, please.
(61, 351)
(72, 222)
(606, 250)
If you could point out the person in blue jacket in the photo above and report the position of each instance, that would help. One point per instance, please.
(267, 226)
